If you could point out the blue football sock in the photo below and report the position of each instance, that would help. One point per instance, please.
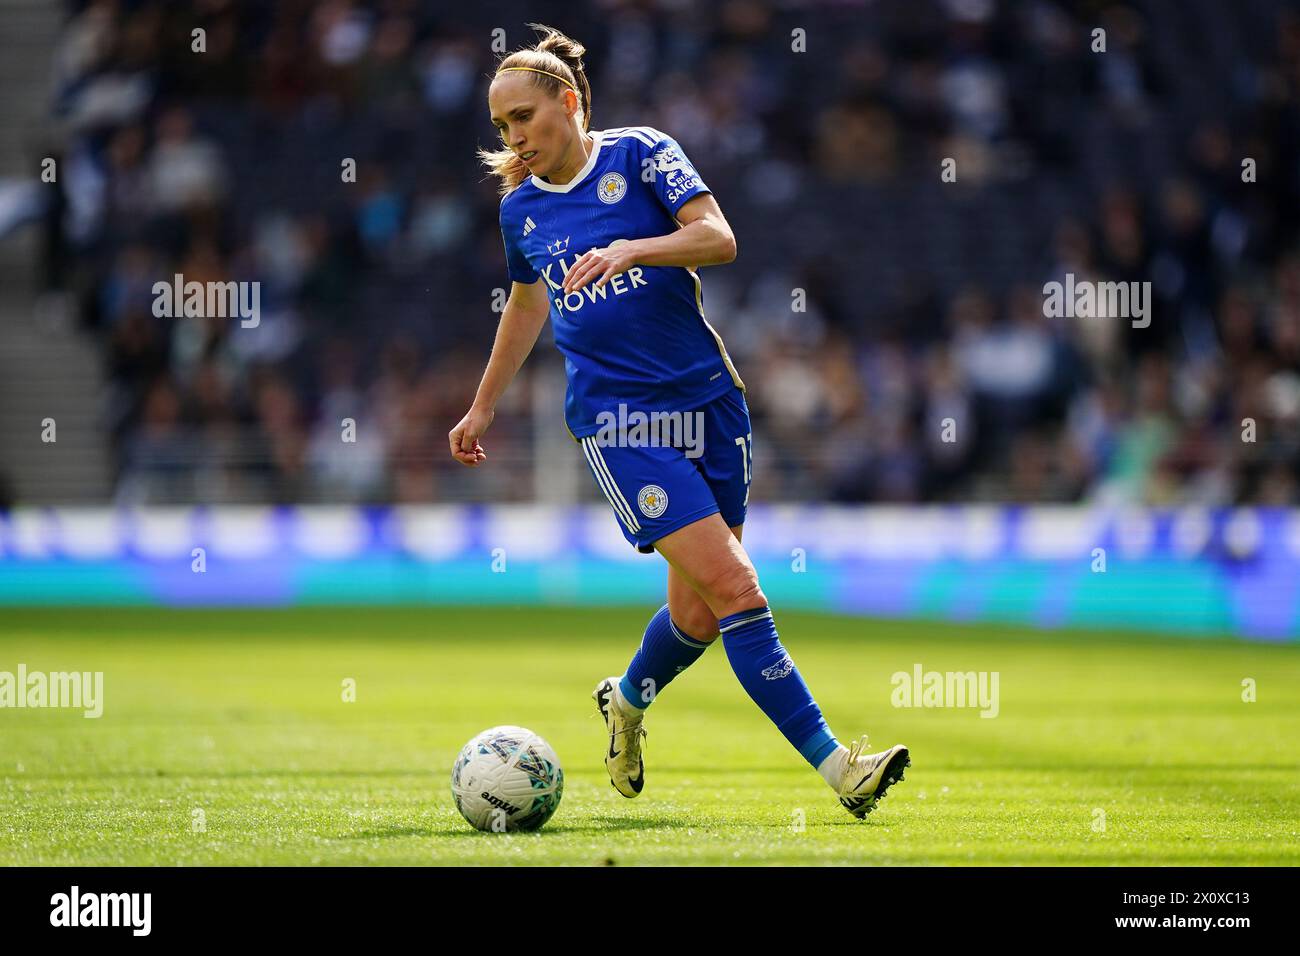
(664, 653)
(769, 676)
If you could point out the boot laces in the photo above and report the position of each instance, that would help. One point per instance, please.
(635, 727)
(856, 753)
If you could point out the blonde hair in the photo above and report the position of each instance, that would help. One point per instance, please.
(554, 63)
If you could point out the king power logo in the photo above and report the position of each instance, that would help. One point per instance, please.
(554, 273)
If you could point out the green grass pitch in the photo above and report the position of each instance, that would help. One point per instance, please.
(225, 741)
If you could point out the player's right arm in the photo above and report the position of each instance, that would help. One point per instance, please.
(521, 323)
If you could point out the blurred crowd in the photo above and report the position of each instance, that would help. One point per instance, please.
(888, 320)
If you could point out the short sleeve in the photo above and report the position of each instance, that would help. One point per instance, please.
(675, 180)
(517, 264)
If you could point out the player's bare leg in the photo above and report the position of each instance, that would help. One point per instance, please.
(690, 612)
(709, 558)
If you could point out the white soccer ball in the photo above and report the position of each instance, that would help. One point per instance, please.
(507, 778)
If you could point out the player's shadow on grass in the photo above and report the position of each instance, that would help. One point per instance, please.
(610, 826)
(627, 823)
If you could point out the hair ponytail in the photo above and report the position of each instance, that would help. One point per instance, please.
(570, 52)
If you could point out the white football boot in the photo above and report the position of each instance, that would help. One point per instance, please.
(623, 758)
(866, 777)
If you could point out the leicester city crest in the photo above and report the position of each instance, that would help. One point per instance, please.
(611, 188)
(652, 500)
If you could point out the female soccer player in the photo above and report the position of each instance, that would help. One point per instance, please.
(603, 232)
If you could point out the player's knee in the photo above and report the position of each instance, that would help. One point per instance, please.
(738, 592)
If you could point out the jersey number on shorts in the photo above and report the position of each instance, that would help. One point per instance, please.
(746, 445)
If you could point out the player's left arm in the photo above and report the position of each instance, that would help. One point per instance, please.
(704, 239)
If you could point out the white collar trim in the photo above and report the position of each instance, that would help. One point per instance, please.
(598, 136)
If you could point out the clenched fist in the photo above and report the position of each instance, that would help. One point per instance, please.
(464, 437)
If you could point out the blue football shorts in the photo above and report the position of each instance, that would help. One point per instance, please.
(666, 479)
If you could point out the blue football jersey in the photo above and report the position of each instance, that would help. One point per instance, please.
(642, 339)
